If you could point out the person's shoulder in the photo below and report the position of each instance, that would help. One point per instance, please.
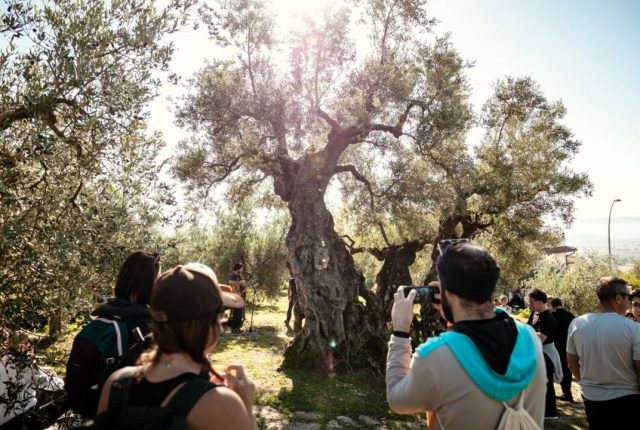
(122, 373)
(127, 371)
(219, 405)
(435, 345)
(629, 323)
(546, 315)
(564, 312)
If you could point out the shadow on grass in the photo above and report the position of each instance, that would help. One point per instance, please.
(262, 307)
(352, 393)
(260, 337)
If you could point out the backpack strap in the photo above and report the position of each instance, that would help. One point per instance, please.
(120, 388)
(119, 333)
(188, 395)
(519, 404)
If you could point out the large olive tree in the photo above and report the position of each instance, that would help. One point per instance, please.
(287, 107)
(500, 190)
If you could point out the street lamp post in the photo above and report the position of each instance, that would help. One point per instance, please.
(609, 230)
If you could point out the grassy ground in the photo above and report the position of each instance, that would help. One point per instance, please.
(352, 394)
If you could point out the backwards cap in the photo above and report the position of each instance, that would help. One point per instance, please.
(468, 271)
(189, 292)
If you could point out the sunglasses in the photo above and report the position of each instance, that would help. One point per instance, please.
(444, 244)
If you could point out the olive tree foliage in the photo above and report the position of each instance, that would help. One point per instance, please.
(79, 185)
(235, 234)
(288, 107)
(635, 269)
(499, 191)
(574, 284)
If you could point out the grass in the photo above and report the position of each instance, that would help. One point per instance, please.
(360, 392)
(354, 393)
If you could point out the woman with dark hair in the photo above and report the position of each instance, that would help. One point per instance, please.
(137, 276)
(176, 383)
(116, 337)
(131, 303)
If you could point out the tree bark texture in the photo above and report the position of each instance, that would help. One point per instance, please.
(395, 272)
(336, 328)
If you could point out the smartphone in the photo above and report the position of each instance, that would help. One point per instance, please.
(424, 295)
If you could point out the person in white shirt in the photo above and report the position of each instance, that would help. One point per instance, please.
(23, 384)
(503, 304)
(603, 354)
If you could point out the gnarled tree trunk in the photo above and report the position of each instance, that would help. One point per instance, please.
(395, 271)
(337, 327)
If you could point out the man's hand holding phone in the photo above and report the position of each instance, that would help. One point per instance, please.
(402, 311)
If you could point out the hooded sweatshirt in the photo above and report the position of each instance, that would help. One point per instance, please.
(449, 374)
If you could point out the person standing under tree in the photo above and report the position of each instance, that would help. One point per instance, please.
(239, 286)
(545, 325)
(563, 318)
(603, 353)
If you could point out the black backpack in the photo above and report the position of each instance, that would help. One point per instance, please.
(102, 347)
(120, 415)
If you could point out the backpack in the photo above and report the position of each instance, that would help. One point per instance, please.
(97, 351)
(120, 415)
(517, 417)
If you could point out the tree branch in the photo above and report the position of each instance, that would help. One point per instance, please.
(64, 138)
(499, 137)
(8, 118)
(396, 130)
(332, 122)
(73, 198)
(227, 169)
(43, 107)
(359, 177)
(350, 246)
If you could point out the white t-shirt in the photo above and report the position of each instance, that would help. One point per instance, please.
(29, 380)
(606, 344)
(505, 308)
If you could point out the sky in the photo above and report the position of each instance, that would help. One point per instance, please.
(584, 52)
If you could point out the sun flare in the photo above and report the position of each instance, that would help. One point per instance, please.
(291, 12)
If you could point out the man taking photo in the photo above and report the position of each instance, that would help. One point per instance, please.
(487, 366)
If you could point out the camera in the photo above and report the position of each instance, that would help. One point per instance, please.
(424, 295)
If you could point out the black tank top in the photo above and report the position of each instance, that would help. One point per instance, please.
(145, 393)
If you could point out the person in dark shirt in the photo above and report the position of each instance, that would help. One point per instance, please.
(545, 325)
(239, 286)
(517, 301)
(563, 318)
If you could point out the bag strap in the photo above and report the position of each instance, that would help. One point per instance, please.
(519, 403)
(120, 388)
(188, 395)
(119, 337)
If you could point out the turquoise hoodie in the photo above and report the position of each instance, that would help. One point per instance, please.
(520, 372)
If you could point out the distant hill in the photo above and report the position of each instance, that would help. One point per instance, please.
(591, 234)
